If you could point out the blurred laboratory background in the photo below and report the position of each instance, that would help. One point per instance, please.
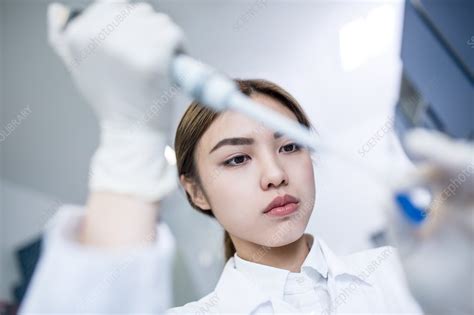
(340, 59)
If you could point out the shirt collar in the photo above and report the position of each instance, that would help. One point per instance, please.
(315, 259)
(270, 279)
(339, 267)
(273, 280)
(234, 283)
(238, 293)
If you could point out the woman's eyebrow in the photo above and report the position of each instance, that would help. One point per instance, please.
(239, 141)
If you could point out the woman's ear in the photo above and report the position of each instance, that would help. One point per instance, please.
(195, 191)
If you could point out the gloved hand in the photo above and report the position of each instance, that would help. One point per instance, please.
(119, 55)
(436, 246)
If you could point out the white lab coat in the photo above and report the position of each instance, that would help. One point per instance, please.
(72, 278)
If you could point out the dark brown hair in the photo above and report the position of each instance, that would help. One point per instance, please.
(198, 118)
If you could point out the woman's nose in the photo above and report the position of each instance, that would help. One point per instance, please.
(273, 174)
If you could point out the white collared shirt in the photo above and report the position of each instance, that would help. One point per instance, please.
(307, 291)
(72, 278)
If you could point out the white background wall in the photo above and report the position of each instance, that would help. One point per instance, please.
(347, 87)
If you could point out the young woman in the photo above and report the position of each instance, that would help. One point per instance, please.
(260, 187)
(258, 184)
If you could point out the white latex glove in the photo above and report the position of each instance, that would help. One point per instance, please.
(119, 55)
(437, 253)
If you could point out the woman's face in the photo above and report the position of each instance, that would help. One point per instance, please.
(241, 177)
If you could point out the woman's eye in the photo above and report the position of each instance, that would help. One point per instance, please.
(291, 147)
(236, 160)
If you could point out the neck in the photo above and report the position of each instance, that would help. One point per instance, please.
(289, 257)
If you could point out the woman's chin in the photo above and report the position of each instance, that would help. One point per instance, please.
(282, 239)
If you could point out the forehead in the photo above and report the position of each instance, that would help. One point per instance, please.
(234, 124)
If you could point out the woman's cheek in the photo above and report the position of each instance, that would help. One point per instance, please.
(303, 179)
(309, 171)
(230, 189)
(300, 170)
(219, 177)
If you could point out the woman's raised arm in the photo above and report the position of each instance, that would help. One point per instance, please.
(112, 256)
(119, 56)
(114, 220)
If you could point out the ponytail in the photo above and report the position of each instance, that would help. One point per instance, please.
(228, 246)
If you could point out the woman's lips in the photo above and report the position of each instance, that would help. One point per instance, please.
(282, 211)
(282, 206)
